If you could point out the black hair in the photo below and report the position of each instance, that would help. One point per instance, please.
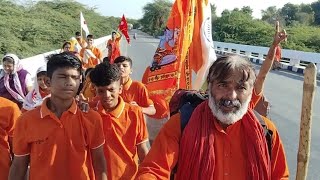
(62, 60)
(66, 43)
(113, 32)
(8, 59)
(90, 36)
(121, 59)
(78, 33)
(42, 73)
(88, 71)
(104, 74)
(106, 60)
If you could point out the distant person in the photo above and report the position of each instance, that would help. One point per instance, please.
(66, 47)
(15, 82)
(40, 90)
(113, 45)
(9, 113)
(133, 92)
(88, 91)
(77, 43)
(276, 62)
(91, 55)
(223, 138)
(57, 139)
(124, 125)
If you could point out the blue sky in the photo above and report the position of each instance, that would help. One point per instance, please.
(133, 8)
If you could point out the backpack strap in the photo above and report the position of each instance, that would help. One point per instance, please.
(186, 111)
(267, 132)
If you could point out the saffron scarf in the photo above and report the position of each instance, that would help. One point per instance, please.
(197, 155)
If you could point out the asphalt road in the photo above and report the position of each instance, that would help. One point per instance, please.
(283, 89)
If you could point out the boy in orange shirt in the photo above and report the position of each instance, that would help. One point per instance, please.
(57, 139)
(133, 92)
(91, 56)
(9, 113)
(124, 125)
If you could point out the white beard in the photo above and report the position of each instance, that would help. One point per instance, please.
(228, 118)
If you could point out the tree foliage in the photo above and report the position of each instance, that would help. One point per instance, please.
(239, 26)
(34, 28)
(155, 16)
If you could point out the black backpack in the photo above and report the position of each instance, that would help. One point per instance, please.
(185, 101)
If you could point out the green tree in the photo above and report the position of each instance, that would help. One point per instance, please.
(247, 10)
(316, 9)
(289, 13)
(155, 16)
(36, 27)
(271, 14)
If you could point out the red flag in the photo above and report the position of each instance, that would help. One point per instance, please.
(123, 27)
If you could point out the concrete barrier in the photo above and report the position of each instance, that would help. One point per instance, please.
(291, 59)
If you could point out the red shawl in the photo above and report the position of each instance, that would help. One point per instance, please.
(197, 156)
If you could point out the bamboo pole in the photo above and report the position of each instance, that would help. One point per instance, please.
(309, 87)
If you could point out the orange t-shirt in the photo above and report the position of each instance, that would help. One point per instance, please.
(230, 147)
(254, 99)
(136, 91)
(124, 129)
(9, 113)
(88, 89)
(92, 62)
(58, 148)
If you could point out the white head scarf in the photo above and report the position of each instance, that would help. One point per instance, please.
(33, 98)
(19, 95)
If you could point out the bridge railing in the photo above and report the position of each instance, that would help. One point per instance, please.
(290, 58)
(31, 64)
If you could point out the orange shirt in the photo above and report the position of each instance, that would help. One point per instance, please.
(58, 148)
(230, 147)
(92, 62)
(124, 129)
(9, 113)
(136, 91)
(43, 93)
(254, 99)
(88, 90)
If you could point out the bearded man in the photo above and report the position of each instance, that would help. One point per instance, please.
(223, 138)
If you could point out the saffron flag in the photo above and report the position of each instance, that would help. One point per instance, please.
(167, 72)
(201, 51)
(83, 24)
(123, 28)
(185, 46)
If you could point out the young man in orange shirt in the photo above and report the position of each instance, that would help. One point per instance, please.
(57, 139)
(133, 92)
(91, 55)
(124, 125)
(9, 113)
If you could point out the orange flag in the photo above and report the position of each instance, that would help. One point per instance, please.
(173, 61)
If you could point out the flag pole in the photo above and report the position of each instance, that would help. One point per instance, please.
(309, 86)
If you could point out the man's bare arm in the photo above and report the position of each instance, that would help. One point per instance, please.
(99, 163)
(19, 167)
(267, 64)
(143, 150)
